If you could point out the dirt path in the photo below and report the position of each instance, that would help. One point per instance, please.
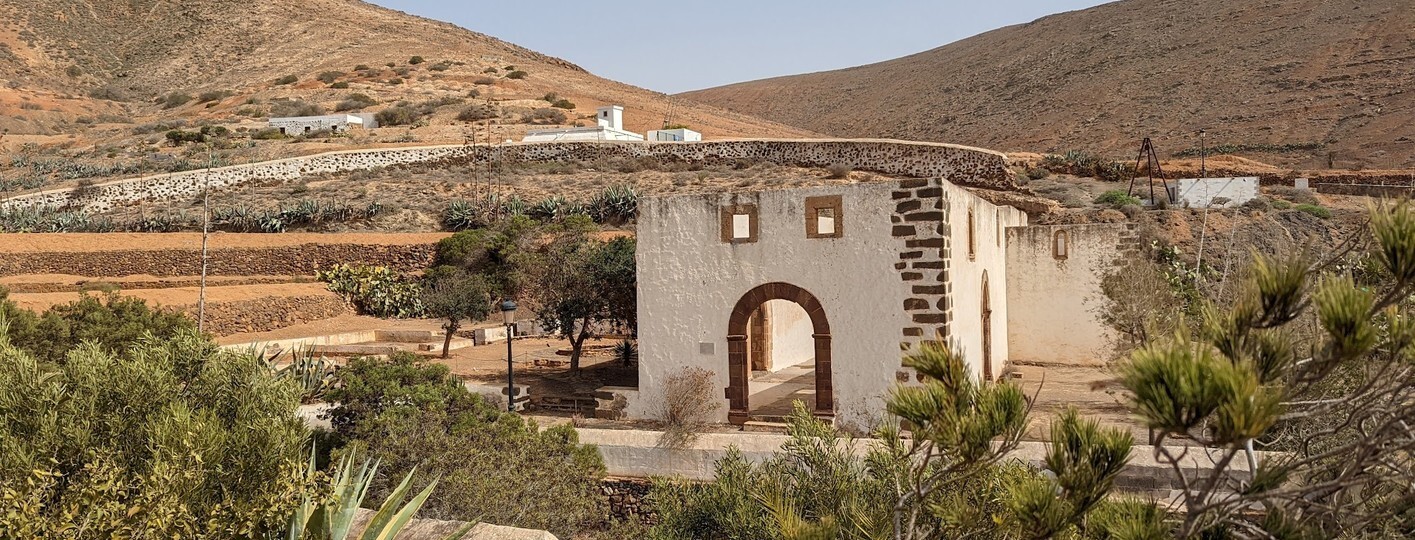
(181, 296)
(89, 242)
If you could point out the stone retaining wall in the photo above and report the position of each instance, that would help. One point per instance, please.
(959, 164)
(266, 314)
(288, 260)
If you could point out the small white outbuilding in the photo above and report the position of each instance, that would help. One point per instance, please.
(609, 126)
(298, 125)
(674, 135)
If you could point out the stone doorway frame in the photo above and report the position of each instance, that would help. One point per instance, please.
(739, 363)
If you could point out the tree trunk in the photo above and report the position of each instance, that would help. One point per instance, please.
(577, 345)
(450, 327)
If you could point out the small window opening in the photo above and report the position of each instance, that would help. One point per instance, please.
(824, 217)
(825, 221)
(972, 237)
(741, 226)
(1060, 245)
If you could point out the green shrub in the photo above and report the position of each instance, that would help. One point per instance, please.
(1117, 198)
(484, 81)
(398, 116)
(169, 438)
(175, 99)
(214, 95)
(1280, 204)
(295, 107)
(517, 74)
(474, 113)
(394, 81)
(490, 70)
(111, 322)
(362, 67)
(412, 414)
(328, 77)
(268, 134)
(375, 290)
(440, 66)
(340, 85)
(354, 102)
(546, 115)
(288, 79)
(416, 60)
(563, 103)
(1319, 211)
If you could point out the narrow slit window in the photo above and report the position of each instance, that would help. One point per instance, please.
(1060, 245)
(972, 237)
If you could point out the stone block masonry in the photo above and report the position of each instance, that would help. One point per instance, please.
(923, 236)
(102, 255)
(962, 165)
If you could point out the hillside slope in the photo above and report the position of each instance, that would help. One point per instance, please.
(63, 62)
(1324, 76)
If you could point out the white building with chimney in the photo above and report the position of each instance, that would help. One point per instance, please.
(609, 126)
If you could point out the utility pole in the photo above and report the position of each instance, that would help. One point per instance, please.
(205, 235)
(1203, 155)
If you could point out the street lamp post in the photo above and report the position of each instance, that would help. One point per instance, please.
(508, 316)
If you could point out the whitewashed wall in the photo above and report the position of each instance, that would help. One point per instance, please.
(689, 281)
(990, 223)
(1053, 305)
(791, 341)
(1200, 192)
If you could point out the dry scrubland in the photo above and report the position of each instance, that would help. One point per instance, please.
(414, 198)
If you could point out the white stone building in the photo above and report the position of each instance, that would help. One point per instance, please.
(298, 125)
(674, 135)
(815, 294)
(609, 126)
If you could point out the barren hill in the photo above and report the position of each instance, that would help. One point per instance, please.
(1291, 81)
(72, 67)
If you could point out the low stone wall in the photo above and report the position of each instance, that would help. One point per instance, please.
(637, 454)
(288, 260)
(628, 499)
(267, 313)
(959, 164)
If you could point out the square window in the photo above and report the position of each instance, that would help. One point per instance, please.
(739, 223)
(824, 218)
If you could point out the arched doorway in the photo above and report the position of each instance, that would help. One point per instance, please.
(739, 349)
(987, 329)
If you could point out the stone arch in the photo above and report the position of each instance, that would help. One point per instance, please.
(738, 364)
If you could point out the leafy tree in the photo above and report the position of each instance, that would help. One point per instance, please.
(454, 296)
(492, 465)
(502, 255)
(582, 282)
(165, 438)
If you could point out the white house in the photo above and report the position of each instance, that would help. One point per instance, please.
(609, 126)
(297, 125)
(674, 135)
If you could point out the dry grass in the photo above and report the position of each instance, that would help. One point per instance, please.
(689, 403)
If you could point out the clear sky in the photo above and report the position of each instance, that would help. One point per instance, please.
(687, 45)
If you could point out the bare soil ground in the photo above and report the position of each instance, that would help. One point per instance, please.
(87, 242)
(181, 296)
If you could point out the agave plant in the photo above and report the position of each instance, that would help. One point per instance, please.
(315, 375)
(334, 519)
(549, 209)
(616, 204)
(513, 206)
(461, 215)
